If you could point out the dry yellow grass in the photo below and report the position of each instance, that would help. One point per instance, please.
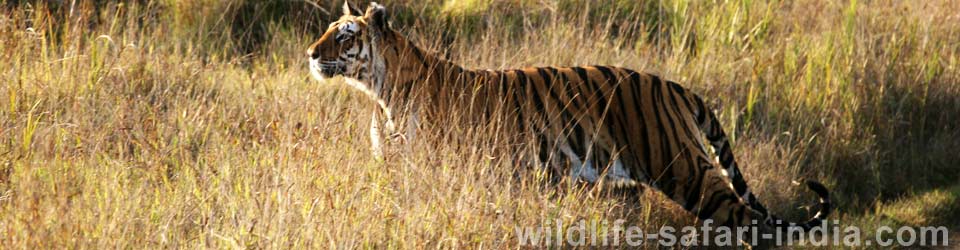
(194, 124)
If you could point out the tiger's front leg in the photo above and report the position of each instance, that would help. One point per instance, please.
(380, 126)
(376, 141)
(406, 137)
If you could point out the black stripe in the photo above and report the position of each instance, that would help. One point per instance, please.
(725, 156)
(568, 86)
(644, 135)
(676, 87)
(585, 82)
(614, 84)
(691, 135)
(607, 73)
(565, 115)
(670, 117)
(666, 158)
(702, 116)
(621, 122)
(544, 146)
(486, 89)
(548, 82)
(697, 189)
(419, 55)
(594, 90)
(517, 104)
(503, 84)
(739, 184)
(522, 78)
(715, 132)
(602, 103)
(574, 104)
(668, 140)
(582, 73)
(583, 107)
(683, 93)
(755, 204)
(686, 102)
(568, 120)
(693, 170)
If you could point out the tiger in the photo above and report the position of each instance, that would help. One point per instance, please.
(595, 123)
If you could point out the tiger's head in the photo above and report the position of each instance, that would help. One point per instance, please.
(349, 48)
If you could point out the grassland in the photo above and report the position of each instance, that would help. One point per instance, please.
(194, 124)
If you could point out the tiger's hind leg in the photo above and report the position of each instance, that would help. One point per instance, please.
(618, 175)
(615, 175)
(579, 170)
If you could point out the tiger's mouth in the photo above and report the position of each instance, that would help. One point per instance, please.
(326, 69)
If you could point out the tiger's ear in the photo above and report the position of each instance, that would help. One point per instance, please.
(350, 10)
(376, 17)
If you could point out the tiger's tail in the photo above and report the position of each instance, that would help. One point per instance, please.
(711, 127)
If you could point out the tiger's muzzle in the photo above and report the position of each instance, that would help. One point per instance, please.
(326, 69)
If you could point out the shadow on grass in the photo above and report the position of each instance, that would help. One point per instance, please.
(905, 147)
(937, 207)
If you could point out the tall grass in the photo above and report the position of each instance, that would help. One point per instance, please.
(194, 123)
